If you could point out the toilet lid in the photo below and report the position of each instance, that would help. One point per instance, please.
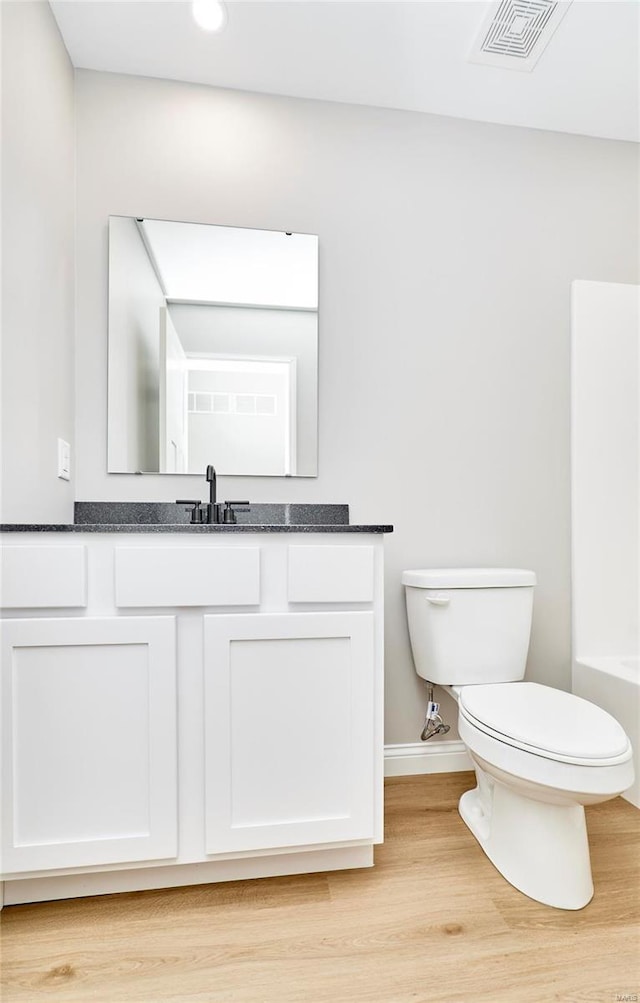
(544, 720)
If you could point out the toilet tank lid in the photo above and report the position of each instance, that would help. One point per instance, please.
(468, 578)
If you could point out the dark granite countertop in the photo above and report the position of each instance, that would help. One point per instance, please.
(169, 517)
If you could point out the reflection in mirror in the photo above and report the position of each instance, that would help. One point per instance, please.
(213, 349)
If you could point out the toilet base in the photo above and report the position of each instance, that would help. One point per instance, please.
(541, 849)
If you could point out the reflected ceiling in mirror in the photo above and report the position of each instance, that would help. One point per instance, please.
(213, 349)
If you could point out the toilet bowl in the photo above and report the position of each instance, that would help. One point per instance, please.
(543, 755)
(540, 754)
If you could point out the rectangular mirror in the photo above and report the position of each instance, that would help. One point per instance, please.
(213, 349)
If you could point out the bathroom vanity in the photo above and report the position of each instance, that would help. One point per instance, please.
(188, 704)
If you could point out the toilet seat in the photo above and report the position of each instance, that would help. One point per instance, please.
(546, 722)
(559, 782)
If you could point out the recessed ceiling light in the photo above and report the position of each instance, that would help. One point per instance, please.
(209, 14)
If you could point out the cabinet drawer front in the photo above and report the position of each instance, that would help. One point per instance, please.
(330, 574)
(43, 577)
(187, 576)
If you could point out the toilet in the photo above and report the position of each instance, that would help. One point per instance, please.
(540, 754)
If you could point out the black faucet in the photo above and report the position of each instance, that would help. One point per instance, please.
(201, 512)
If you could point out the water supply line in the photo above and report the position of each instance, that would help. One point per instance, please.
(433, 723)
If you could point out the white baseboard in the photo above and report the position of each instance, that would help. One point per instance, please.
(446, 756)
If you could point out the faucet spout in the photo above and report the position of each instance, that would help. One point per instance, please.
(211, 478)
(213, 512)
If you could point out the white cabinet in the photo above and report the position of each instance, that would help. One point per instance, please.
(88, 742)
(206, 707)
(289, 729)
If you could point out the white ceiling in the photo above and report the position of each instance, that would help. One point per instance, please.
(411, 56)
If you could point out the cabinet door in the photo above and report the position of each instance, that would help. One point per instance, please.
(89, 742)
(289, 730)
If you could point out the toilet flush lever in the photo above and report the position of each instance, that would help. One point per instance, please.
(438, 599)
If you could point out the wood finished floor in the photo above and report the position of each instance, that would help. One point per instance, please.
(433, 922)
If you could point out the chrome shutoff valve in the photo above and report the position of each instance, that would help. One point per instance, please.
(433, 723)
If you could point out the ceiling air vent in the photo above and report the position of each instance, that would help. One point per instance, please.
(515, 33)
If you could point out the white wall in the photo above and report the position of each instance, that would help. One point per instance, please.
(37, 387)
(135, 300)
(447, 250)
(606, 469)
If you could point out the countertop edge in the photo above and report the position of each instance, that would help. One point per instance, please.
(190, 530)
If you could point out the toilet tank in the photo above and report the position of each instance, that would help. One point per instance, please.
(469, 625)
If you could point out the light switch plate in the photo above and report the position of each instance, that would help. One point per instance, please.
(64, 460)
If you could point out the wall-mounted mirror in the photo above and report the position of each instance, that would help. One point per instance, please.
(213, 349)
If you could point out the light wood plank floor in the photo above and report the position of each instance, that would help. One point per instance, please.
(433, 922)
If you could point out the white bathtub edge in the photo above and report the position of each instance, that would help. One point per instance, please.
(607, 682)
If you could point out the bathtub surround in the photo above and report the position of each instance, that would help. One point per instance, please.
(614, 683)
(447, 249)
(605, 468)
(606, 502)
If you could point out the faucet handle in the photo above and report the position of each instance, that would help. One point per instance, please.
(230, 509)
(195, 509)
